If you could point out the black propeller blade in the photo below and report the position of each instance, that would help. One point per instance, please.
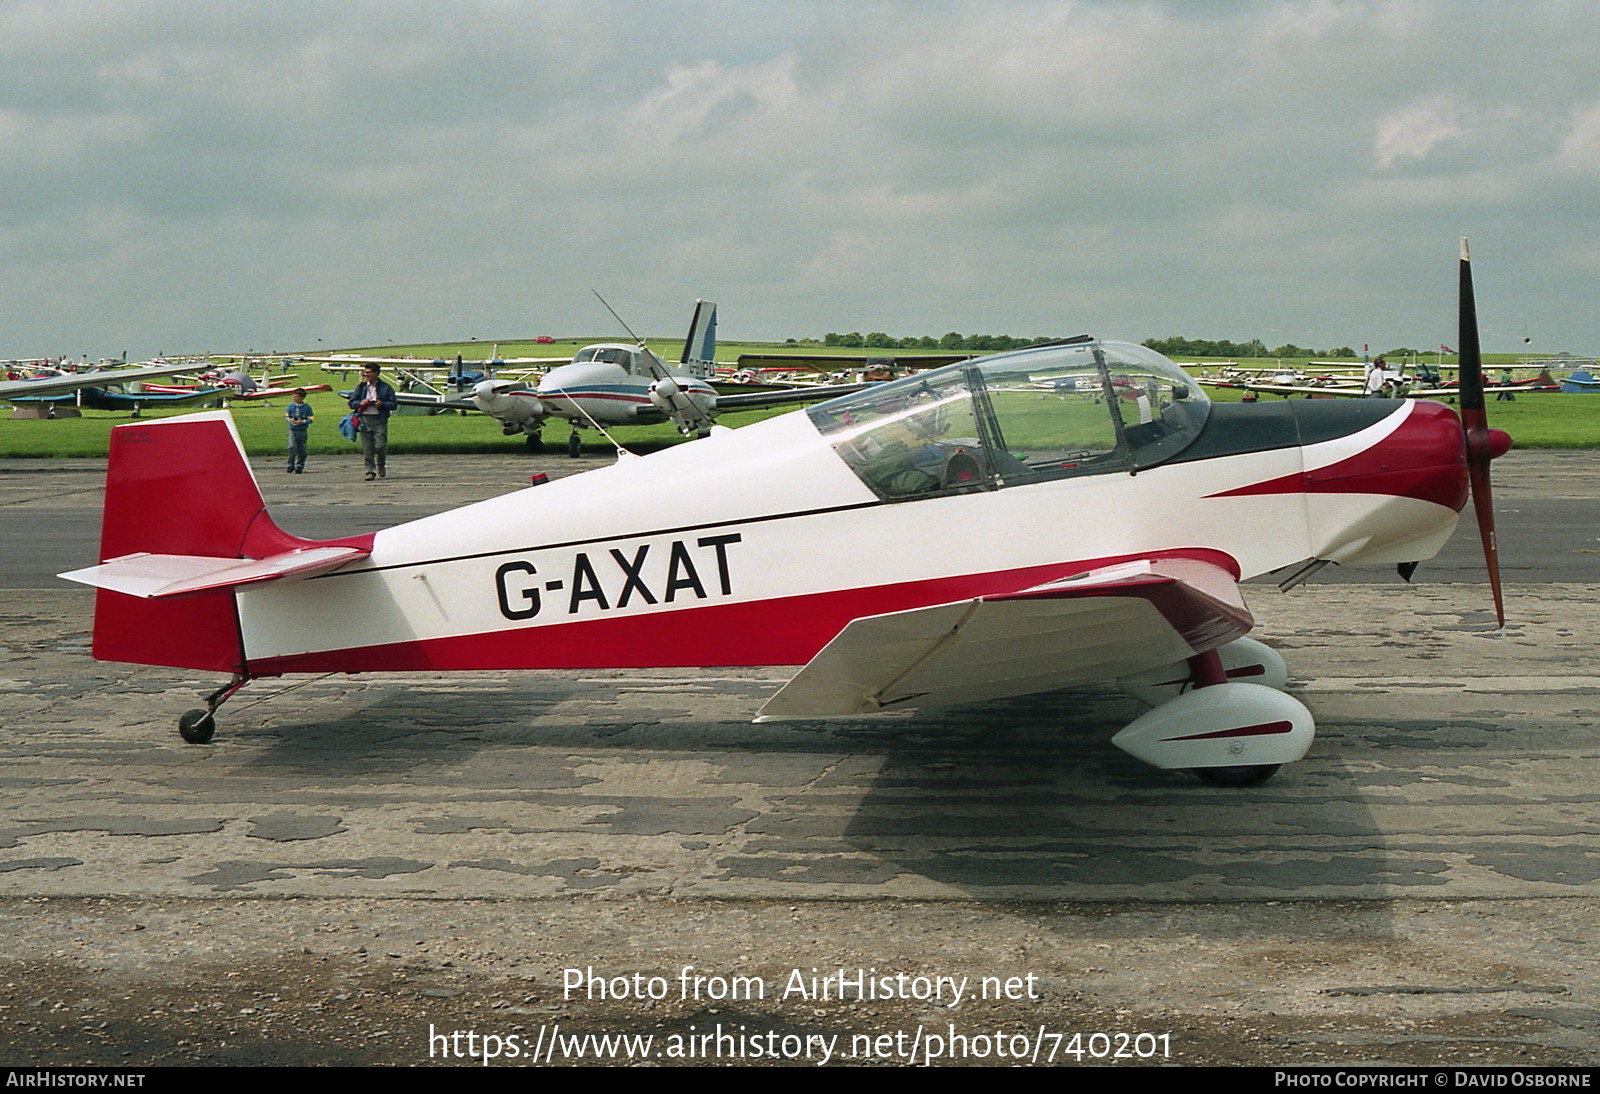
(1480, 444)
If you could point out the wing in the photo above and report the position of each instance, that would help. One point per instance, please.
(440, 402)
(53, 385)
(825, 362)
(1341, 389)
(453, 400)
(278, 392)
(752, 400)
(1086, 628)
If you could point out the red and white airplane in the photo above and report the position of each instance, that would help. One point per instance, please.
(1070, 513)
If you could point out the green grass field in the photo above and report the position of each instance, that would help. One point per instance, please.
(1533, 420)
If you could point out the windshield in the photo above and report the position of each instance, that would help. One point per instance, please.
(615, 355)
(1077, 408)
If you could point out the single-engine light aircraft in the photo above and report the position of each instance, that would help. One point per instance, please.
(104, 389)
(616, 383)
(239, 384)
(981, 530)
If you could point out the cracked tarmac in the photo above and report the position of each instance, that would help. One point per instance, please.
(362, 858)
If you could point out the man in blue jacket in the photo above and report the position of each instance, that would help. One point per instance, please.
(373, 401)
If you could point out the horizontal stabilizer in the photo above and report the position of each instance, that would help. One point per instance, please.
(161, 577)
(1093, 626)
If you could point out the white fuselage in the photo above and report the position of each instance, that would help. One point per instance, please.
(612, 387)
(692, 556)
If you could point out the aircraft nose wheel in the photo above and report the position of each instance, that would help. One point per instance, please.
(574, 446)
(197, 726)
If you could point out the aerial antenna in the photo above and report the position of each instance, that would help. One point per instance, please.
(621, 451)
(617, 317)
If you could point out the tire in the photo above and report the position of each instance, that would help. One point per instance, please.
(197, 726)
(1233, 777)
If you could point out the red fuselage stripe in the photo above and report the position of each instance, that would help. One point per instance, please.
(780, 631)
(1424, 458)
(1264, 729)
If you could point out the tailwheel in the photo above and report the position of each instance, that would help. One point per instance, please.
(1251, 775)
(197, 726)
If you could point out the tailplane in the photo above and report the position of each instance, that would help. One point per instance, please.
(184, 525)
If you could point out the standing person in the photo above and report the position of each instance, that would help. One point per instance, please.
(1378, 378)
(298, 415)
(373, 401)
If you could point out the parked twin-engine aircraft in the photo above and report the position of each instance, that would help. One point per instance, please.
(982, 530)
(616, 383)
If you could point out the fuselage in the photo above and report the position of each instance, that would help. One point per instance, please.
(756, 546)
(608, 384)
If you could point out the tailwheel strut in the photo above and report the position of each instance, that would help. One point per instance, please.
(199, 725)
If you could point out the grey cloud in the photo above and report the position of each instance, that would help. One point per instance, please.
(197, 174)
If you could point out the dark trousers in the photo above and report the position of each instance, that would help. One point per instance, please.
(374, 441)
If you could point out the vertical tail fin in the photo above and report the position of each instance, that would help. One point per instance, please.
(180, 486)
(700, 347)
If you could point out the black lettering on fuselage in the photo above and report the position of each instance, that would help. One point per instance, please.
(631, 573)
(681, 573)
(518, 592)
(720, 543)
(585, 585)
(527, 595)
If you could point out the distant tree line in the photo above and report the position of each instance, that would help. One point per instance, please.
(974, 343)
(1201, 347)
(1175, 346)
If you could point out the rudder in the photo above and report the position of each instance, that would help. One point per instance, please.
(177, 486)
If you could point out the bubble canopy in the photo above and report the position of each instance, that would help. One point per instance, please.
(1081, 407)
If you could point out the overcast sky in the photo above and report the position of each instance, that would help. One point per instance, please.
(191, 175)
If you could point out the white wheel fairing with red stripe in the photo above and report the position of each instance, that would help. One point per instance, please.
(766, 545)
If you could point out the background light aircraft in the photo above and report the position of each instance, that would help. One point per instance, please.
(1581, 381)
(616, 383)
(877, 366)
(102, 389)
(239, 384)
(966, 535)
(1383, 384)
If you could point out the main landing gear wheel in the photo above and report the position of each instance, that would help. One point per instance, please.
(197, 726)
(1252, 775)
(534, 442)
(574, 446)
(1230, 734)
